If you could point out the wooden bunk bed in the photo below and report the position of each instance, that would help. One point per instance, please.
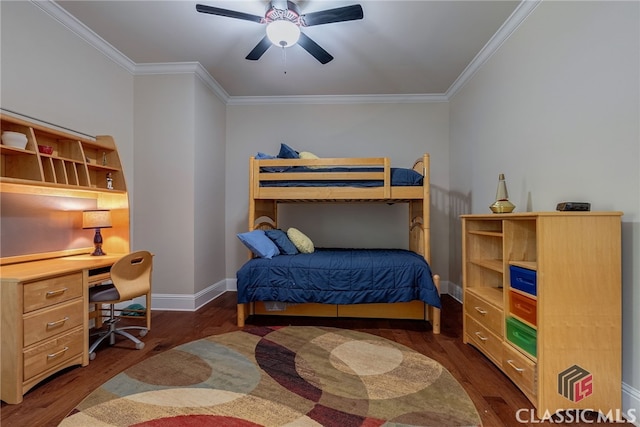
(375, 179)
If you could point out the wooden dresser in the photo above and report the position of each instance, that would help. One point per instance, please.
(542, 300)
(44, 318)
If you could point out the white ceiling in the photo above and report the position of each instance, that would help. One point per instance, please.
(398, 48)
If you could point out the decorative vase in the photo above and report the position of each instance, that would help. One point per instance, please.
(502, 203)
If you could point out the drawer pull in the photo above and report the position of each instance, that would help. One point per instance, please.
(479, 335)
(57, 322)
(513, 365)
(57, 353)
(480, 310)
(524, 308)
(56, 292)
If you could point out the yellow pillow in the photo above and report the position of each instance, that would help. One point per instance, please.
(307, 155)
(300, 240)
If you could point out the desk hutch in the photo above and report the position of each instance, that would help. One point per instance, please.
(43, 299)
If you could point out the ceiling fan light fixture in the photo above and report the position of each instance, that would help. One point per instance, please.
(283, 33)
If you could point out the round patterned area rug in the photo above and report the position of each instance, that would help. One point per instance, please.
(281, 376)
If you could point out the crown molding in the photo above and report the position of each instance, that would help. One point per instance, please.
(85, 33)
(184, 68)
(516, 18)
(504, 32)
(338, 99)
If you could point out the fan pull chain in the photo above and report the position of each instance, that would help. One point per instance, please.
(284, 59)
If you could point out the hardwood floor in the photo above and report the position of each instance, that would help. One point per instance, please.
(498, 401)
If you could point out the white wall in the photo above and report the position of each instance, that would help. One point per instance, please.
(402, 132)
(557, 110)
(209, 173)
(50, 73)
(47, 72)
(164, 176)
(180, 175)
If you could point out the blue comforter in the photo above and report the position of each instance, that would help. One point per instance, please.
(339, 276)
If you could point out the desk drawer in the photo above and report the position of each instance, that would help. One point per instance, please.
(521, 369)
(47, 292)
(53, 352)
(49, 322)
(484, 339)
(486, 314)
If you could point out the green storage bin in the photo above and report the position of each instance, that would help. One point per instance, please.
(524, 336)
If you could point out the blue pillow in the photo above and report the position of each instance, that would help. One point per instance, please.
(287, 152)
(405, 177)
(259, 244)
(282, 241)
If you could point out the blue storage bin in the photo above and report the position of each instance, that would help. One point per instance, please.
(523, 279)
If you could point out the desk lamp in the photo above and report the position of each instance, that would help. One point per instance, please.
(97, 218)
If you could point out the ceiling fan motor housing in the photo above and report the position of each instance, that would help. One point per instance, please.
(291, 13)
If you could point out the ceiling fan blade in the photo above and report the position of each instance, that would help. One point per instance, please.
(228, 13)
(340, 14)
(314, 49)
(260, 49)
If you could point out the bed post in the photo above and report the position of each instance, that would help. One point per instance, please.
(244, 310)
(252, 200)
(258, 208)
(434, 312)
(426, 205)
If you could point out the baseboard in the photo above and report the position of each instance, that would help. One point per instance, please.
(188, 302)
(451, 289)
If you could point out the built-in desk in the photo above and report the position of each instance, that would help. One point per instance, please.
(45, 270)
(44, 313)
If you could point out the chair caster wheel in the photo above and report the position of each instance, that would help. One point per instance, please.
(139, 346)
(143, 332)
(92, 356)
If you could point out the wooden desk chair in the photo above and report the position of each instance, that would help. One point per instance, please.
(131, 277)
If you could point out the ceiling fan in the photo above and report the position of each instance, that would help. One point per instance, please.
(284, 21)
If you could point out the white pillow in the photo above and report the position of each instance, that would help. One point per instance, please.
(307, 155)
(300, 240)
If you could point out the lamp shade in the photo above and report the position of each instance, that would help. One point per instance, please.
(96, 218)
(283, 33)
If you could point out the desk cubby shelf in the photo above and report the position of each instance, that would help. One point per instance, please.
(75, 163)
